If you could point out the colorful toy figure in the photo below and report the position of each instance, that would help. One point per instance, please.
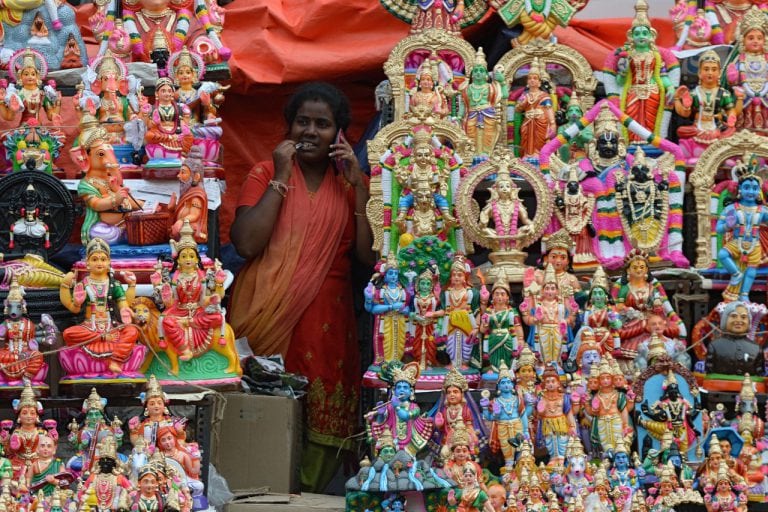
(748, 74)
(500, 326)
(600, 314)
(577, 149)
(656, 344)
(449, 16)
(20, 357)
(558, 254)
(538, 19)
(432, 78)
(671, 413)
(508, 415)
(400, 415)
(106, 488)
(459, 324)
(389, 304)
(505, 216)
(47, 472)
(101, 344)
(469, 497)
(28, 69)
(85, 438)
(538, 125)
(169, 137)
(711, 107)
(482, 98)
(155, 414)
(556, 423)
(460, 455)
(609, 411)
(722, 496)
(574, 209)
(734, 351)
(457, 409)
(644, 77)
(743, 253)
(192, 203)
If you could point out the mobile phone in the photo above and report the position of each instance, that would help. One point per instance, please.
(341, 165)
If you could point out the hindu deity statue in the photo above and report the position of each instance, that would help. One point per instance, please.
(482, 102)
(508, 415)
(577, 149)
(426, 347)
(622, 475)
(389, 304)
(170, 442)
(20, 356)
(600, 314)
(448, 15)
(742, 254)
(535, 105)
(26, 96)
(729, 14)
(524, 370)
(432, 84)
(716, 456)
(748, 73)
(106, 486)
(20, 443)
(558, 254)
(599, 498)
(505, 216)
(538, 19)
(192, 321)
(500, 325)
(106, 199)
(114, 97)
(574, 209)
(734, 351)
(609, 411)
(721, 496)
(459, 326)
(30, 231)
(747, 422)
(85, 438)
(168, 125)
(637, 295)
(202, 98)
(461, 454)
(457, 409)
(497, 495)
(424, 176)
(672, 412)
(550, 317)
(469, 497)
(155, 414)
(46, 474)
(192, 203)
(712, 108)
(656, 345)
(555, 418)
(401, 414)
(148, 498)
(644, 77)
(103, 344)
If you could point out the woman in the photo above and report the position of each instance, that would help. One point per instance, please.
(298, 220)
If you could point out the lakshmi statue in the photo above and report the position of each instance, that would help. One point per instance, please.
(671, 413)
(505, 210)
(168, 127)
(100, 345)
(743, 253)
(500, 326)
(459, 326)
(748, 74)
(721, 496)
(26, 96)
(203, 99)
(609, 411)
(600, 314)
(85, 438)
(538, 125)
(551, 318)
(401, 414)
(469, 497)
(483, 102)
(508, 415)
(574, 209)
(430, 88)
(389, 304)
(711, 107)
(555, 419)
(426, 347)
(457, 409)
(106, 200)
(192, 321)
(20, 357)
(644, 77)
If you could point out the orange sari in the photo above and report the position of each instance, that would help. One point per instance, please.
(296, 298)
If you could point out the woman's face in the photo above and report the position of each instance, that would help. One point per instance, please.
(29, 76)
(188, 259)
(185, 75)
(316, 129)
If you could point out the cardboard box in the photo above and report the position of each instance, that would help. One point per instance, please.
(259, 443)
(304, 503)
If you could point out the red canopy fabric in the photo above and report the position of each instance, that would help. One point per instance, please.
(277, 45)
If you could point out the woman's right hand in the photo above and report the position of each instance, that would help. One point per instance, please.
(283, 156)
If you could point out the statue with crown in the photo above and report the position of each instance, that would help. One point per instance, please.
(193, 342)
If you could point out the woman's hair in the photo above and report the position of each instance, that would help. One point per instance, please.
(320, 91)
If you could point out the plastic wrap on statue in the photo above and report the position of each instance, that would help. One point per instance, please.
(195, 343)
(426, 70)
(642, 77)
(669, 402)
(505, 224)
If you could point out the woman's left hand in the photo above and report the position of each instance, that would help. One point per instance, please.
(342, 152)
